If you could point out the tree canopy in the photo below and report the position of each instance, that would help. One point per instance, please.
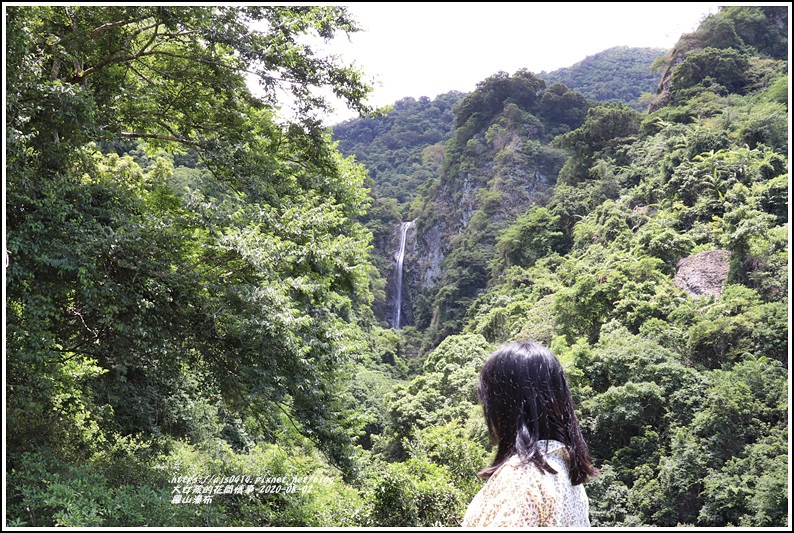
(141, 293)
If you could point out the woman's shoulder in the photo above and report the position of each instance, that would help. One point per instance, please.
(517, 479)
(555, 452)
(517, 493)
(551, 446)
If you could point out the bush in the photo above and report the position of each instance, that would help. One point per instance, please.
(416, 493)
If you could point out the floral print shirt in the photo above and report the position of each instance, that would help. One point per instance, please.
(521, 495)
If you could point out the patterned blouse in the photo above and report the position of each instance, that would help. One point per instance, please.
(519, 495)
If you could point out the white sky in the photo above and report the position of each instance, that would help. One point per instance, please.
(429, 48)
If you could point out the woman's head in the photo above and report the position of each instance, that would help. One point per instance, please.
(526, 399)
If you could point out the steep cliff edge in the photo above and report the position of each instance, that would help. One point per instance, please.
(720, 49)
(496, 165)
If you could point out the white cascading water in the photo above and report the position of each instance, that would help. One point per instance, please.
(398, 297)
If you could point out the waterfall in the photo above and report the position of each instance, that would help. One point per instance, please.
(398, 297)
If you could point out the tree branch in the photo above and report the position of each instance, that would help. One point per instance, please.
(118, 59)
(142, 75)
(191, 124)
(134, 135)
(112, 25)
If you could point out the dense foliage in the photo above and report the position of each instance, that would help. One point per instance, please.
(204, 291)
(192, 291)
(399, 148)
(401, 151)
(619, 74)
(682, 394)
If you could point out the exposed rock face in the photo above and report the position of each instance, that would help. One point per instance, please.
(514, 184)
(703, 273)
(429, 263)
(500, 173)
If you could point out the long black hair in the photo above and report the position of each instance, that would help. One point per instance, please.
(525, 398)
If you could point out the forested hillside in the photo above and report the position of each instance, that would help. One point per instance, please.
(197, 291)
(395, 148)
(400, 151)
(619, 74)
(404, 150)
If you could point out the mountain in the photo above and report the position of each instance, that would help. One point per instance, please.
(401, 149)
(199, 297)
(648, 249)
(497, 164)
(619, 74)
(404, 150)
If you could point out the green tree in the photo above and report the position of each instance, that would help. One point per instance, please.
(139, 299)
(724, 67)
(447, 390)
(563, 105)
(606, 128)
(532, 236)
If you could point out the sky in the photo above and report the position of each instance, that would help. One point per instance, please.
(429, 48)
